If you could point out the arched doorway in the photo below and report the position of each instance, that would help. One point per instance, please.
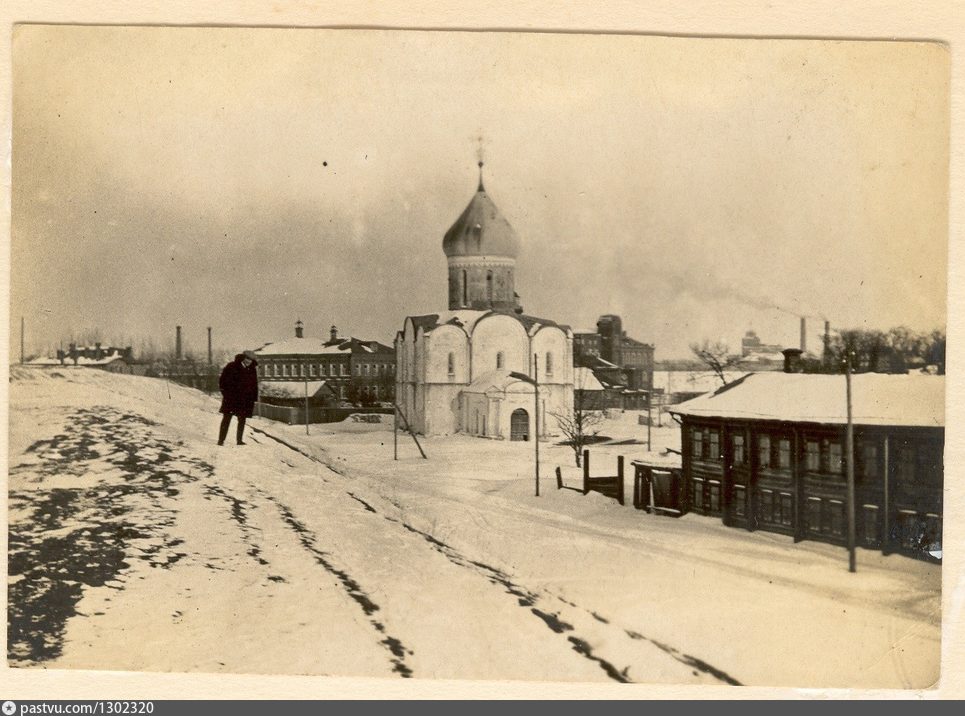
(519, 425)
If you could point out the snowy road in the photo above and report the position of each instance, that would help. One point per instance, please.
(138, 544)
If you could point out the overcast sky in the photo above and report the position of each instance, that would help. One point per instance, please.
(245, 178)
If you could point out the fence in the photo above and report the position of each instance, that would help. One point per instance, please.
(609, 485)
(296, 415)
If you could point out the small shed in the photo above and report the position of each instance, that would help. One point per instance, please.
(292, 393)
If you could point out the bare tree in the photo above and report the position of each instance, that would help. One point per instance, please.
(716, 356)
(583, 423)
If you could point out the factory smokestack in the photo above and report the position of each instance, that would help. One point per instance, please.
(804, 334)
(177, 342)
(827, 342)
(210, 354)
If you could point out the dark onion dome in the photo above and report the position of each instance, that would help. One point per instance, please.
(481, 230)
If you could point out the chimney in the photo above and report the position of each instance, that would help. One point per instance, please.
(177, 342)
(792, 360)
(333, 334)
(827, 342)
(210, 353)
(804, 334)
(97, 351)
(299, 329)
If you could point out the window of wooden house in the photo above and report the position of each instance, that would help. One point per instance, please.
(784, 453)
(737, 443)
(787, 509)
(714, 441)
(713, 488)
(740, 501)
(284, 370)
(767, 506)
(812, 455)
(869, 459)
(344, 369)
(906, 464)
(314, 370)
(835, 458)
(835, 521)
(814, 515)
(698, 444)
(764, 450)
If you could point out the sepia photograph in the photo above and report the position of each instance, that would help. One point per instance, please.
(484, 356)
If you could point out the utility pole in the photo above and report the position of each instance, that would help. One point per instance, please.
(536, 415)
(849, 452)
(22, 329)
(305, 376)
(649, 418)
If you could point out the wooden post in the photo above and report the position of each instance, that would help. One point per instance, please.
(395, 432)
(305, 376)
(410, 431)
(649, 419)
(586, 471)
(849, 452)
(536, 416)
(559, 478)
(886, 507)
(620, 478)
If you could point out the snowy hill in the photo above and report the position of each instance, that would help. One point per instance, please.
(136, 543)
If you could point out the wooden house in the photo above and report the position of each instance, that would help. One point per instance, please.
(768, 452)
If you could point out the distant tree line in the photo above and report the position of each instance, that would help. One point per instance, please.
(899, 350)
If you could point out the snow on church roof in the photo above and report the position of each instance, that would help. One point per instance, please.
(877, 399)
(500, 380)
(468, 319)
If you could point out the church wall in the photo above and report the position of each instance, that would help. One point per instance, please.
(441, 409)
(555, 341)
(495, 334)
(555, 399)
(438, 345)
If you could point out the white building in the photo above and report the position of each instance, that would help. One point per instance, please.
(470, 369)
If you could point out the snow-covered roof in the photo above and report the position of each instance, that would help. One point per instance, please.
(502, 381)
(583, 379)
(468, 319)
(319, 346)
(290, 388)
(899, 400)
(302, 346)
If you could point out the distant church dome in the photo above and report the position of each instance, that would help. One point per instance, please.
(481, 230)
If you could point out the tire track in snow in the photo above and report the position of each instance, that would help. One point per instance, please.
(524, 597)
(308, 541)
(239, 513)
(529, 599)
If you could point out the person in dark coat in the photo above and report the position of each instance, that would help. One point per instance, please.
(239, 391)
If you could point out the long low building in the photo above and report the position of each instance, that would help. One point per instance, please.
(768, 452)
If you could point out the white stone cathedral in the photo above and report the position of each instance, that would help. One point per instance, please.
(470, 369)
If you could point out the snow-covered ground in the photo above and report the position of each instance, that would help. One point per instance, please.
(136, 543)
